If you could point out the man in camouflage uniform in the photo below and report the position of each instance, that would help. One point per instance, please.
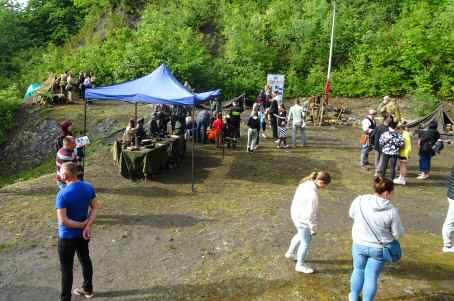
(389, 108)
(63, 82)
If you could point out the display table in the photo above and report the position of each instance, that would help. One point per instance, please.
(143, 163)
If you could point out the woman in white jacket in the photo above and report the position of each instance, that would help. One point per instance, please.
(304, 214)
(375, 218)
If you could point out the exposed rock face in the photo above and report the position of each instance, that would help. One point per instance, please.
(30, 143)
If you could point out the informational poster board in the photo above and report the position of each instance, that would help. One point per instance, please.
(277, 81)
(82, 141)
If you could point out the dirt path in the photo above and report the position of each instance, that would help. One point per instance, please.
(158, 241)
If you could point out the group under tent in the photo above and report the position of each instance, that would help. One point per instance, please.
(158, 87)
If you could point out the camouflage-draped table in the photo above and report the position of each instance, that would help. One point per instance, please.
(146, 162)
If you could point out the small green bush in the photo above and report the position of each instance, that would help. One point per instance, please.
(9, 104)
(425, 102)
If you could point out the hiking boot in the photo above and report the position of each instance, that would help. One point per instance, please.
(290, 255)
(304, 269)
(446, 250)
(82, 292)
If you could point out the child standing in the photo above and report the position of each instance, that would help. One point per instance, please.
(218, 126)
(304, 213)
(405, 153)
(262, 117)
(253, 124)
(282, 127)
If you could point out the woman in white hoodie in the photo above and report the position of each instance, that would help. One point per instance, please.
(304, 213)
(375, 218)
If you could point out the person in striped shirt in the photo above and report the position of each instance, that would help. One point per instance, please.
(66, 154)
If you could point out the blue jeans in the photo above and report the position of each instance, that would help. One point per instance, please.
(295, 128)
(364, 154)
(301, 240)
(424, 163)
(202, 132)
(367, 265)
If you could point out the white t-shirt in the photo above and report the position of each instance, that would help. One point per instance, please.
(296, 114)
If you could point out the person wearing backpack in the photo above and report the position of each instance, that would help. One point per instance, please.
(427, 139)
(378, 131)
(376, 224)
(367, 125)
(391, 142)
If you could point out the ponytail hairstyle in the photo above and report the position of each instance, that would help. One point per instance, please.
(382, 185)
(318, 175)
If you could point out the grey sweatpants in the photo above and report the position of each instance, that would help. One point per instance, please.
(295, 128)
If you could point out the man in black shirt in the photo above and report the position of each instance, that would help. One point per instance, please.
(235, 115)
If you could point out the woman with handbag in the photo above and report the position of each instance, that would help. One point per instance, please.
(376, 230)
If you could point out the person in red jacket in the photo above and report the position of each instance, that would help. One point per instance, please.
(218, 126)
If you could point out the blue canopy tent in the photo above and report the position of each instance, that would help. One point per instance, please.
(158, 87)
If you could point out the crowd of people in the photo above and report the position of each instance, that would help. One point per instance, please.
(377, 226)
(376, 230)
(392, 143)
(67, 84)
(223, 126)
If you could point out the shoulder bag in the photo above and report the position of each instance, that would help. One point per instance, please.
(392, 251)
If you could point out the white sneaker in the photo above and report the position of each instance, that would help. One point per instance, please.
(263, 135)
(400, 181)
(277, 141)
(290, 255)
(422, 177)
(304, 269)
(448, 249)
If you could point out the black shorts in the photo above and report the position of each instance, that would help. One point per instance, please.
(403, 158)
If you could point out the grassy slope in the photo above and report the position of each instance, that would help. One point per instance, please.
(157, 241)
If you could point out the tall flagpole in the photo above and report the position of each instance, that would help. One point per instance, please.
(328, 76)
(331, 47)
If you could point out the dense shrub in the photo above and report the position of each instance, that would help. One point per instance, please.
(9, 104)
(390, 47)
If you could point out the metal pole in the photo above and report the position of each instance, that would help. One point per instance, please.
(135, 112)
(85, 132)
(333, 28)
(330, 61)
(193, 146)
